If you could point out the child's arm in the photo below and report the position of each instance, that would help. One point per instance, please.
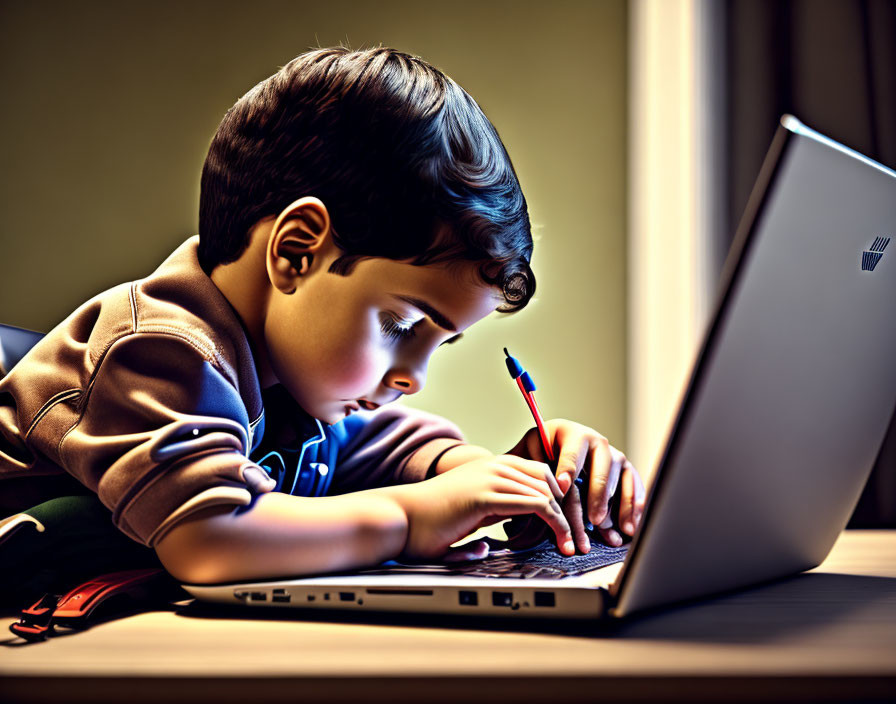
(290, 535)
(399, 445)
(159, 432)
(392, 445)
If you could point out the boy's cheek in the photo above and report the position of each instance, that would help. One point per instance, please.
(353, 370)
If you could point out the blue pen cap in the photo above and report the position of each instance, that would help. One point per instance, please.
(528, 384)
(514, 367)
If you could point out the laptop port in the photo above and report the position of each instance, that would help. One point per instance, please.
(468, 598)
(346, 596)
(280, 595)
(258, 596)
(545, 599)
(502, 598)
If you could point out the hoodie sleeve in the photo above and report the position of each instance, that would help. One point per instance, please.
(391, 445)
(161, 434)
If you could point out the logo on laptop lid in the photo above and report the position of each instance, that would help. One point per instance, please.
(872, 255)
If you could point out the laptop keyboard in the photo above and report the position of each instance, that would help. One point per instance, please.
(543, 561)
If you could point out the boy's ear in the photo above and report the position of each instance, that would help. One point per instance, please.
(301, 231)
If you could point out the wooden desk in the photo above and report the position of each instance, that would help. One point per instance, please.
(828, 635)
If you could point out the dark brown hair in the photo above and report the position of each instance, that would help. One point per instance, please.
(396, 150)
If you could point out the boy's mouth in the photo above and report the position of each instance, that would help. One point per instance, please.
(358, 405)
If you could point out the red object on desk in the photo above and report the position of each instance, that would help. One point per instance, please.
(75, 608)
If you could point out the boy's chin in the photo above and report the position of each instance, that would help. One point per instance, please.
(334, 414)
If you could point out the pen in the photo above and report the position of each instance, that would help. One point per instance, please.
(527, 386)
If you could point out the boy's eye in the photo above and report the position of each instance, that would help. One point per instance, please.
(395, 328)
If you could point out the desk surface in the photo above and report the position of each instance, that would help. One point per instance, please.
(829, 634)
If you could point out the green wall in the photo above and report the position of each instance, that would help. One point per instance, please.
(108, 109)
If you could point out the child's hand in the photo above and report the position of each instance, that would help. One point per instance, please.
(450, 506)
(580, 449)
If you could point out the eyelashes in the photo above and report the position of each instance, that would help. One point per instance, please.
(394, 328)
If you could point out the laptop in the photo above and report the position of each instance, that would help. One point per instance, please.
(786, 408)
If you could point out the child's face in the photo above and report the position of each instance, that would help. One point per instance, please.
(340, 343)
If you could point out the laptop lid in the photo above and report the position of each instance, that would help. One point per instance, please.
(793, 389)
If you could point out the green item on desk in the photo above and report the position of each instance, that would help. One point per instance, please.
(79, 541)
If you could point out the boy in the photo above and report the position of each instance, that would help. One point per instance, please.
(357, 211)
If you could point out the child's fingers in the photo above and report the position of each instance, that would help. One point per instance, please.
(640, 494)
(573, 453)
(607, 532)
(475, 550)
(627, 501)
(540, 484)
(537, 470)
(572, 509)
(505, 485)
(606, 466)
(546, 509)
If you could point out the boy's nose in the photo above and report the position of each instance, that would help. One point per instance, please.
(406, 380)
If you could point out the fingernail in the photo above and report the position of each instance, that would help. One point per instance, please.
(629, 528)
(615, 539)
(569, 547)
(564, 482)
